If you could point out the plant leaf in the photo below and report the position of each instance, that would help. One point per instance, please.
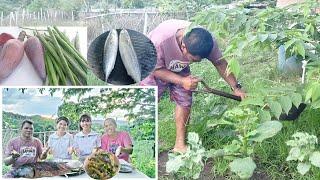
(315, 104)
(300, 49)
(316, 91)
(309, 94)
(215, 153)
(174, 164)
(303, 168)
(296, 99)
(215, 122)
(264, 116)
(294, 154)
(286, 103)
(267, 130)
(315, 158)
(289, 43)
(243, 167)
(262, 37)
(257, 101)
(275, 108)
(272, 36)
(234, 67)
(193, 138)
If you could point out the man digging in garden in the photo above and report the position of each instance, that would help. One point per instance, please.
(176, 49)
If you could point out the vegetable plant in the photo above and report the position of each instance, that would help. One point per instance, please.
(273, 102)
(255, 30)
(247, 132)
(303, 150)
(189, 164)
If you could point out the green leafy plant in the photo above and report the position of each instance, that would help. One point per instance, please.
(273, 102)
(254, 30)
(189, 164)
(303, 149)
(248, 132)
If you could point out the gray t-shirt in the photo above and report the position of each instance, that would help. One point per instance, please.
(59, 145)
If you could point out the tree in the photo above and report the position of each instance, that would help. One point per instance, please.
(139, 103)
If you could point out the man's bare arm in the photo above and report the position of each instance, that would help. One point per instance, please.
(188, 82)
(229, 78)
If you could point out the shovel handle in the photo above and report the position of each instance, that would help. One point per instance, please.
(220, 93)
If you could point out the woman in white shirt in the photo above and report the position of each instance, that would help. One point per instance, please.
(61, 141)
(86, 140)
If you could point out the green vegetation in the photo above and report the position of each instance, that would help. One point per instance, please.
(250, 39)
(303, 149)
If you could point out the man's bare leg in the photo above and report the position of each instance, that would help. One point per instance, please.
(181, 116)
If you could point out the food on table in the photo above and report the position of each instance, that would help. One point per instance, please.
(101, 165)
(41, 169)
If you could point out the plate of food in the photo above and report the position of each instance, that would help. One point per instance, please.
(101, 165)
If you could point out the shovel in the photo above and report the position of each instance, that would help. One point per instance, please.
(207, 89)
(293, 114)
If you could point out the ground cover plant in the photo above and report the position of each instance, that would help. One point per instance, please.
(251, 45)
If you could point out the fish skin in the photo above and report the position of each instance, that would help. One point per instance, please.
(95, 55)
(41, 169)
(110, 52)
(129, 56)
(145, 50)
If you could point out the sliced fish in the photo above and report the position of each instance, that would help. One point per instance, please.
(95, 55)
(145, 50)
(110, 52)
(129, 56)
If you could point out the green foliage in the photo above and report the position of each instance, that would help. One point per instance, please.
(272, 102)
(134, 4)
(294, 26)
(139, 103)
(143, 130)
(13, 121)
(143, 157)
(244, 167)
(65, 5)
(249, 132)
(184, 5)
(303, 150)
(189, 164)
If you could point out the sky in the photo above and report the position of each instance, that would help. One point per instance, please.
(31, 102)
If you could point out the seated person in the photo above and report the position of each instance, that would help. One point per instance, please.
(61, 141)
(86, 140)
(24, 149)
(116, 142)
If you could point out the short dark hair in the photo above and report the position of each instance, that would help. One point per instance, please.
(63, 118)
(84, 117)
(199, 42)
(26, 121)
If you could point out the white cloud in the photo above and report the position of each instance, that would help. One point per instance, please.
(31, 102)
